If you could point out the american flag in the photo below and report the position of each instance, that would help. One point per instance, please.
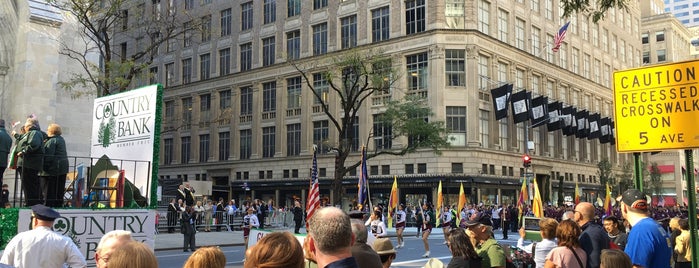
(362, 185)
(559, 37)
(313, 192)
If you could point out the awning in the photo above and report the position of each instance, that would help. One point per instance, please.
(664, 201)
(665, 169)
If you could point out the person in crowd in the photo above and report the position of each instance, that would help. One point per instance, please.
(330, 232)
(206, 257)
(30, 160)
(463, 255)
(275, 250)
(361, 251)
(495, 212)
(5, 147)
(108, 243)
(480, 232)
(219, 212)
(298, 216)
(568, 254)
(133, 254)
(616, 234)
(683, 246)
(249, 221)
(648, 243)
(446, 219)
(189, 194)
(593, 238)
(181, 194)
(208, 212)
(41, 246)
(231, 209)
(172, 215)
(377, 226)
(261, 212)
(4, 195)
(568, 215)
(506, 218)
(199, 212)
(55, 166)
(387, 253)
(187, 220)
(539, 250)
(428, 222)
(514, 222)
(614, 258)
(400, 225)
(675, 231)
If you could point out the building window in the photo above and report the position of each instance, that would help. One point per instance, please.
(205, 66)
(385, 169)
(188, 4)
(245, 57)
(414, 16)
(320, 136)
(455, 67)
(246, 101)
(293, 92)
(661, 55)
(383, 132)
(485, 128)
(269, 96)
(646, 57)
(417, 73)
(245, 143)
(659, 36)
(644, 38)
(348, 31)
(224, 99)
(268, 138)
(380, 27)
(293, 45)
(421, 168)
(456, 124)
(167, 151)
(320, 39)
(293, 8)
(318, 4)
(503, 24)
(519, 33)
(226, 22)
(268, 48)
(409, 169)
(353, 135)
(153, 75)
(457, 168)
(224, 145)
(206, 28)
(185, 149)
(270, 11)
(374, 170)
(187, 111)
(224, 61)
(187, 38)
(246, 16)
(124, 20)
(293, 139)
(169, 74)
(203, 148)
(205, 103)
(321, 87)
(536, 41)
(187, 71)
(484, 17)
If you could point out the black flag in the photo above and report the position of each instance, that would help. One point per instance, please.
(568, 120)
(520, 106)
(555, 117)
(612, 138)
(605, 130)
(583, 128)
(594, 127)
(539, 112)
(501, 96)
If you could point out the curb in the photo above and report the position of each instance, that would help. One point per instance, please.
(221, 245)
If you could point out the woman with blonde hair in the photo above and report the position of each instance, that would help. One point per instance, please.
(539, 250)
(206, 257)
(568, 254)
(133, 254)
(275, 250)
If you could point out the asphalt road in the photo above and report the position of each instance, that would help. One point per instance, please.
(409, 256)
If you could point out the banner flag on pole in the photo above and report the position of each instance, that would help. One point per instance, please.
(501, 96)
(462, 202)
(440, 200)
(539, 112)
(313, 202)
(523, 197)
(362, 193)
(555, 119)
(393, 201)
(594, 127)
(577, 193)
(558, 39)
(608, 202)
(520, 106)
(582, 123)
(537, 204)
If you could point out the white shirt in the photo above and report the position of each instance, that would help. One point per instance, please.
(378, 228)
(542, 249)
(446, 217)
(496, 213)
(400, 216)
(43, 248)
(251, 220)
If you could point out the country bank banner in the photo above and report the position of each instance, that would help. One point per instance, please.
(86, 227)
(126, 131)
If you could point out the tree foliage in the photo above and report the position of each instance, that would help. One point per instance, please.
(117, 41)
(596, 9)
(352, 78)
(605, 173)
(656, 184)
(626, 177)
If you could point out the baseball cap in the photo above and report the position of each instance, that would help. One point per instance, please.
(635, 199)
(479, 218)
(383, 246)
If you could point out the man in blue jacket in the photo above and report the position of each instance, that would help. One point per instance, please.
(593, 238)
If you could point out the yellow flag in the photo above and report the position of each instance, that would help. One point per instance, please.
(537, 206)
(462, 202)
(440, 199)
(392, 201)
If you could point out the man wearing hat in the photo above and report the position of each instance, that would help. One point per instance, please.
(41, 246)
(5, 145)
(648, 243)
(386, 251)
(480, 230)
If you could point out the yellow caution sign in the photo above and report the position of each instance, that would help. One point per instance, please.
(657, 107)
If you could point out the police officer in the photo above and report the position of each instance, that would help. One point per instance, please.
(41, 246)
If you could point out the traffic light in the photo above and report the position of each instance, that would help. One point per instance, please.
(526, 161)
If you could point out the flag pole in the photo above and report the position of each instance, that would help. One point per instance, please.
(368, 191)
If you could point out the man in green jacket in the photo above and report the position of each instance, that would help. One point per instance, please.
(480, 230)
(30, 154)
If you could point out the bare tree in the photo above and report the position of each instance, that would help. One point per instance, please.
(352, 79)
(107, 26)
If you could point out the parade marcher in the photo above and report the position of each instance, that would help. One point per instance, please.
(249, 221)
(172, 215)
(41, 246)
(377, 226)
(30, 160)
(428, 222)
(181, 194)
(187, 220)
(446, 219)
(298, 216)
(55, 166)
(188, 194)
(400, 225)
(648, 244)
